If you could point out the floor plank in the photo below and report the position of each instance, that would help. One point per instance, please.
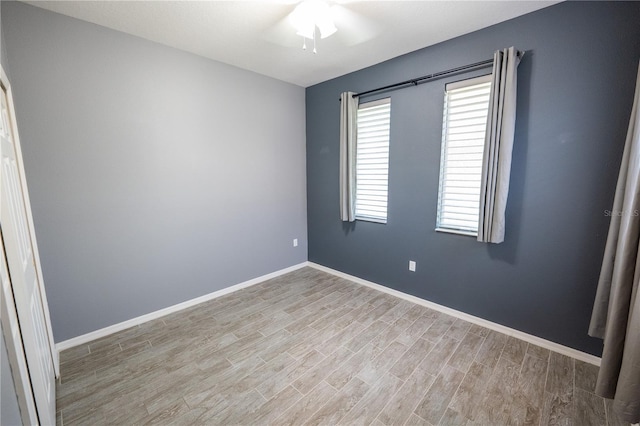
(589, 409)
(468, 398)
(301, 411)
(402, 404)
(366, 411)
(435, 403)
(338, 406)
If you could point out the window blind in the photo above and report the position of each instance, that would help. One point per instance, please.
(466, 105)
(372, 160)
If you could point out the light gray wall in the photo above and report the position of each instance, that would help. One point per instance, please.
(155, 176)
(3, 52)
(9, 409)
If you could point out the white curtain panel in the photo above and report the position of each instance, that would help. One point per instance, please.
(616, 310)
(348, 136)
(496, 167)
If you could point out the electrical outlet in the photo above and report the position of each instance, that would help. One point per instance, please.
(412, 266)
(295, 242)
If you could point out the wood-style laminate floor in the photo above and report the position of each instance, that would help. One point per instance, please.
(311, 348)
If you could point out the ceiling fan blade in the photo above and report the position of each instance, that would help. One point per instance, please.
(282, 33)
(353, 28)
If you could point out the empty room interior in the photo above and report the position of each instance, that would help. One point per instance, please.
(320, 212)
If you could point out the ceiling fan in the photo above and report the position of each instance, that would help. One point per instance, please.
(319, 19)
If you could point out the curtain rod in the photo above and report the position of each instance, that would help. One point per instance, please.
(416, 81)
(423, 79)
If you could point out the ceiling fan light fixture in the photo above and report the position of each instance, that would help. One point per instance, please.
(306, 32)
(310, 14)
(326, 26)
(303, 20)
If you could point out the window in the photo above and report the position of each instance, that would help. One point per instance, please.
(372, 160)
(466, 104)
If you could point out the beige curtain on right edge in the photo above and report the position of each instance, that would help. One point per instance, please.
(496, 167)
(616, 310)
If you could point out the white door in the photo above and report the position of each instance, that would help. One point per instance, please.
(21, 258)
(15, 350)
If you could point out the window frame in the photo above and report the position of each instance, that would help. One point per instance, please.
(461, 84)
(369, 217)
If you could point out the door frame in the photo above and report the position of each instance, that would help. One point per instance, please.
(4, 84)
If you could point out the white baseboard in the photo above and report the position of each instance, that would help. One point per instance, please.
(556, 347)
(86, 338)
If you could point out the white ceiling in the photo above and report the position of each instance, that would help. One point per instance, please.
(256, 35)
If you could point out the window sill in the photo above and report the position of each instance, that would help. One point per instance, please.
(457, 231)
(371, 219)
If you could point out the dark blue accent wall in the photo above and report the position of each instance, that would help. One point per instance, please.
(575, 91)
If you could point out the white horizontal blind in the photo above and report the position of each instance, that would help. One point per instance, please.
(372, 160)
(466, 104)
